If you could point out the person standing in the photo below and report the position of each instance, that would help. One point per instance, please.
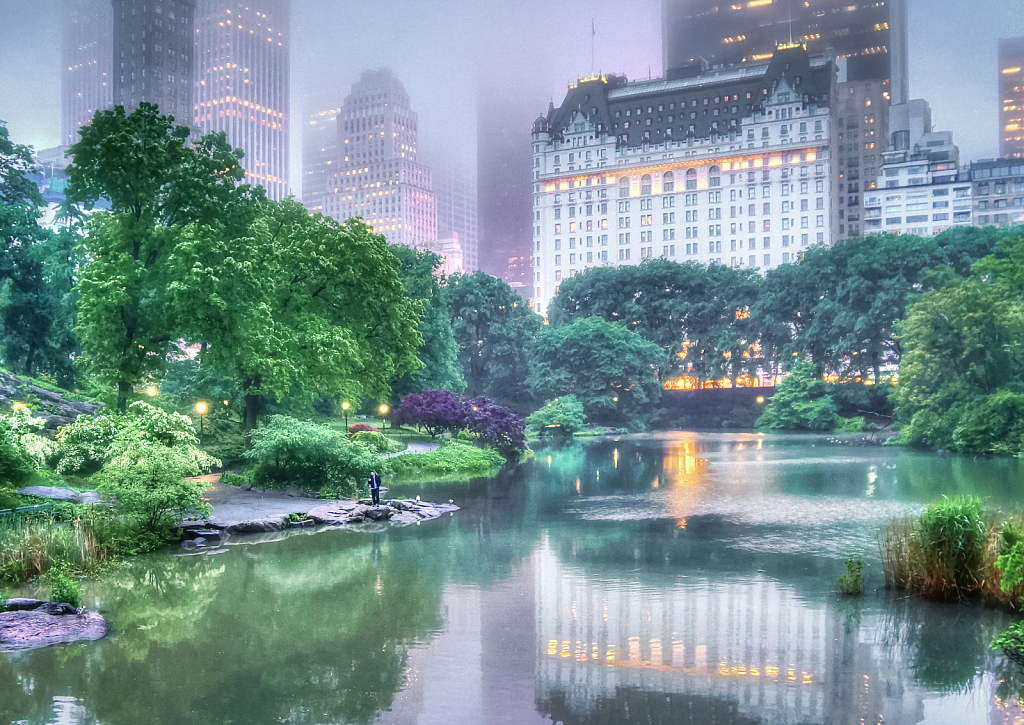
(374, 486)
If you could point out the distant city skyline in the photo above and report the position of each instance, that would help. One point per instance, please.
(437, 54)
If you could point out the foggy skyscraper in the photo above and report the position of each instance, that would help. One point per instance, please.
(319, 151)
(456, 191)
(1011, 98)
(242, 83)
(378, 176)
(87, 57)
(153, 54)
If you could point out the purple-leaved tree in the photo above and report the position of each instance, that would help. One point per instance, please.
(438, 411)
(496, 425)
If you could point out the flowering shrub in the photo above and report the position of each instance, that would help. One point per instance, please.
(358, 427)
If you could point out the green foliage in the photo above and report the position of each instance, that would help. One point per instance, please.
(82, 446)
(952, 534)
(451, 458)
(850, 425)
(493, 328)
(63, 588)
(1011, 557)
(377, 440)
(852, 582)
(1011, 641)
(801, 402)
(147, 426)
(148, 483)
(613, 372)
(992, 424)
(564, 413)
(293, 452)
(230, 478)
(22, 449)
(439, 353)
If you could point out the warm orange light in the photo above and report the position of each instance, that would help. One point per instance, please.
(201, 408)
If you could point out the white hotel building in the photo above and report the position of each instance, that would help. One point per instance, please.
(730, 166)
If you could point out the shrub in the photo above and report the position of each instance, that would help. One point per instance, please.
(373, 439)
(22, 449)
(357, 427)
(146, 426)
(293, 452)
(64, 589)
(149, 485)
(992, 424)
(497, 426)
(952, 533)
(450, 458)
(850, 425)
(852, 582)
(564, 414)
(801, 402)
(82, 446)
(1011, 642)
(230, 478)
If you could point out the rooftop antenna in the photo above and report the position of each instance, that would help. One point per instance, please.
(790, 22)
(593, 37)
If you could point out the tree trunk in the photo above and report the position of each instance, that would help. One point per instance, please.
(253, 403)
(124, 389)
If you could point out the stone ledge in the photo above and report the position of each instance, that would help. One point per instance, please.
(27, 629)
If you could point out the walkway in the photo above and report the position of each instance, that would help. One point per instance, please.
(415, 447)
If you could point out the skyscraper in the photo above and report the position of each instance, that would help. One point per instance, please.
(319, 151)
(457, 208)
(242, 83)
(871, 36)
(153, 52)
(1011, 98)
(379, 178)
(87, 58)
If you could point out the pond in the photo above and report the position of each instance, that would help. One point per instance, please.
(666, 578)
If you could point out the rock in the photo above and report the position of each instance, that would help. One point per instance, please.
(219, 525)
(55, 608)
(208, 534)
(90, 497)
(188, 526)
(246, 486)
(293, 492)
(401, 505)
(19, 605)
(259, 526)
(188, 545)
(25, 630)
(199, 541)
(380, 513)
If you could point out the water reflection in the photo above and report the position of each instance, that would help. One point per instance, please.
(678, 578)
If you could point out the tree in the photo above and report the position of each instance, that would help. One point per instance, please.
(438, 353)
(497, 426)
(155, 185)
(612, 371)
(564, 413)
(801, 402)
(438, 411)
(297, 305)
(493, 328)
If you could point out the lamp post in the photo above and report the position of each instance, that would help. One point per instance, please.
(201, 409)
(345, 406)
(384, 416)
(151, 391)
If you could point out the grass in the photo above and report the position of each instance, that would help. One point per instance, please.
(32, 547)
(450, 458)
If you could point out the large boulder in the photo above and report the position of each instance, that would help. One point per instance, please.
(53, 408)
(25, 630)
(259, 526)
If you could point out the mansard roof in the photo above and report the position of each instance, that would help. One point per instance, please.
(660, 109)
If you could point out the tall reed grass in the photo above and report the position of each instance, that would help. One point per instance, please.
(32, 547)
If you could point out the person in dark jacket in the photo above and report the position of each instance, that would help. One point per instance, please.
(374, 485)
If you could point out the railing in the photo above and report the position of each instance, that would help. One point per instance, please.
(27, 510)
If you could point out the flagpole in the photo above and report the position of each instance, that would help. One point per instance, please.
(593, 36)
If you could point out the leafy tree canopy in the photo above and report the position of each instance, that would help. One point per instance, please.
(801, 402)
(564, 413)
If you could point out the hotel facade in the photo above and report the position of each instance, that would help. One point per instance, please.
(732, 166)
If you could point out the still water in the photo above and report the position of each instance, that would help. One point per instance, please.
(672, 578)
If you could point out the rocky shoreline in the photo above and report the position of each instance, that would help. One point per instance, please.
(200, 536)
(33, 623)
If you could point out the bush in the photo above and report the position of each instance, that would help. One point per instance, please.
(373, 439)
(230, 478)
(801, 402)
(358, 427)
(497, 426)
(852, 582)
(850, 425)
(450, 458)
(294, 452)
(993, 424)
(22, 449)
(82, 446)
(146, 426)
(564, 414)
(1011, 642)
(150, 486)
(64, 589)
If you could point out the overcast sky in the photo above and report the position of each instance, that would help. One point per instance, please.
(441, 50)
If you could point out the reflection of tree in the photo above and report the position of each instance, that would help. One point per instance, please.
(643, 706)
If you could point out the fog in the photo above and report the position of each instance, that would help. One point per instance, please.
(526, 51)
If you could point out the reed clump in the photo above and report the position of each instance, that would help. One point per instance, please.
(941, 554)
(32, 547)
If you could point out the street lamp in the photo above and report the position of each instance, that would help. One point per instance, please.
(345, 406)
(384, 416)
(151, 391)
(201, 409)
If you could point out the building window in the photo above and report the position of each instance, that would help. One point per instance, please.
(668, 183)
(645, 185)
(691, 179)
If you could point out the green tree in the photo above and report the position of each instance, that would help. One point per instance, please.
(564, 413)
(612, 371)
(296, 306)
(493, 328)
(801, 402)
(438, 353)
(155, 185)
